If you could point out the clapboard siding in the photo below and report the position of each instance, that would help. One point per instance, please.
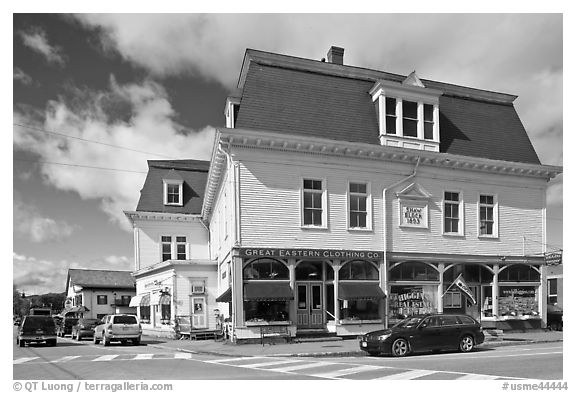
(149, 237)
(222, 220)
(271, 211)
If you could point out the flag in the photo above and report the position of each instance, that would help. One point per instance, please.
(461, 284)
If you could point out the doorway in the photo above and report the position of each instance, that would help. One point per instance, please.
(199, 320)
(310, 308)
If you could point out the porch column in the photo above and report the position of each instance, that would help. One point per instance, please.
(293, 312)
(543, 298)
(440, 304)
(237, 292)
(496, 269)
(383, 269)
(336, 305)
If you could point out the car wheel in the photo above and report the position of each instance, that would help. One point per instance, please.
(136, 341)
(373, 353)
(399, 347)
(78, 337)
(466, 344)
(22, 343)
(105, 340)
(52, 343)
(95, 339)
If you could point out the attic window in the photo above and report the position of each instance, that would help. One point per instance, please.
(173, 194)
(408, 113)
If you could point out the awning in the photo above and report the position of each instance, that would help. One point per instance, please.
(226, 297)
(268, 291)
(140, 300)
(165, 299)
(155, 298)
(359, 291)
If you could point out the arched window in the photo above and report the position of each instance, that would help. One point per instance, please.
(358, 270)
(309, 270)
(413, 271)
(265, 269)
(519, 273)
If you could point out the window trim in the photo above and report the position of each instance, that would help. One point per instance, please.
(324, 203)
(461, 218)
(495, 225)
(173, 246)
(368, 194)
(179, 183)
(105, 298)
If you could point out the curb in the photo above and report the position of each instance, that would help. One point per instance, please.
(345, 353)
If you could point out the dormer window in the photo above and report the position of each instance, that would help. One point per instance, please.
(173, 194)
(408, 114)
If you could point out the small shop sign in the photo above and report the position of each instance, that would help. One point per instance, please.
(309, 253)
(414, 215)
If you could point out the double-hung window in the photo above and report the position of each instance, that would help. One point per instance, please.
(390, 115)
(410, 118)
(487, 215)
(313, 203)
(552, 290)
(173, 247)
(173, 192)
(358, 198)
(166, 248)
(428, 121)
(181, 247)
(452, 213)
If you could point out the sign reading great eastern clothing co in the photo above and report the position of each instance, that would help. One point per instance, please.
(308, 253)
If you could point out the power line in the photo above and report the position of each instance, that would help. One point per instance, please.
(89, 140)
(78, 165)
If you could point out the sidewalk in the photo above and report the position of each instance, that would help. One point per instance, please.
(316, 349)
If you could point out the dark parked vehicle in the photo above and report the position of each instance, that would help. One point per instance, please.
(65, 327)
(36, 328)
(425, 333)
(84, 328)
(555, 317)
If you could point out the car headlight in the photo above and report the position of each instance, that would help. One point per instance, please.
(383, 337)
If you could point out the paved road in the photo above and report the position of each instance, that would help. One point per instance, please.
(73, 360)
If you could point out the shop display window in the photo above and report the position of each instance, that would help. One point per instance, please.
(409, 300)
(519, 273)
(145, 314)
(266, 311)
(517, 301)
(414, 271)
(266, 269)
(358, 270)
(359, 309)
(166, 315)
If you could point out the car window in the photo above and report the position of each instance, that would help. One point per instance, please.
(409, 322)
(38, 322)
(433, 322)
(447, 320)
(465, 319)
(126, 319)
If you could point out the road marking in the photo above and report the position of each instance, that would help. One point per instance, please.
(65, 359)
(256, 365)
(24, 360)
(143, 356)
(105, 358)
(298, 367)
(477, 376)
(234, 359)
(182, 355)
(413, 374)
(346, 371)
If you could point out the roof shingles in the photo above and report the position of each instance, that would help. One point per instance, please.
(101, 278)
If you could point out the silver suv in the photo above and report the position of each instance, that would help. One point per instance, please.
(118, 327)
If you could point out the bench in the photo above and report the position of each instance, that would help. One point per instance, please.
(275, 331)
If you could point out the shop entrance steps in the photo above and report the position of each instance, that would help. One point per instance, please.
(315, 335)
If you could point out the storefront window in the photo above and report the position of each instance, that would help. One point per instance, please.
(145, 314)
(266, 311)
(359, 309)
(519, 273)
(265, 269)
(413, 271)
(358, 270)
(518, 301)
(309, 270)
(409, 300)
(165, 314)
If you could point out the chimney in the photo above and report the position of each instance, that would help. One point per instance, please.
(335, 55)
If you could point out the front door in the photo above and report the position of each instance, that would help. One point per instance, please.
(310, 308)
(199, 320)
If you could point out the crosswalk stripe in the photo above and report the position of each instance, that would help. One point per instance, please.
(24, 360)
(255, 365)
(346, 371)
(234, 359)
(468, 377)
(105, 358)
(298, 367)
(144, 356)
(413, 374)
(182, 355)
(65, 359)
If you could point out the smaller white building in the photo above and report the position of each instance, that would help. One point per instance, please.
(95, 293)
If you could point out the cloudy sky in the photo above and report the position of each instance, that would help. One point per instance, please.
(95, 96)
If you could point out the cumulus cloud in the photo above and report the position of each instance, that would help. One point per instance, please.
(29, 223)
(554, 192)
(36, 40)
(145, 124)
(519, 54)
(38, 276)
(21, 76)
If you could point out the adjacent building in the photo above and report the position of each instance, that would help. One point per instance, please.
(340, 199)
(96, 293)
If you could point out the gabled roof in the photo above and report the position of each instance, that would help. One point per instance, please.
(305, 97)
(113, 279)
(193, 174)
